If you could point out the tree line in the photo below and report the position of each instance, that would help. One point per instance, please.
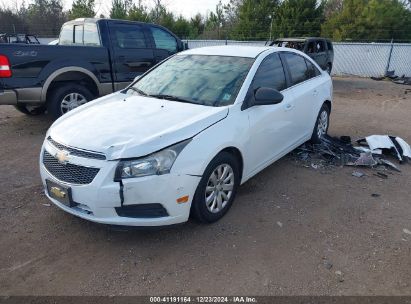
(340, 20)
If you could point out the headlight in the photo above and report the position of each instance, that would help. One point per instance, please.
(154, 164)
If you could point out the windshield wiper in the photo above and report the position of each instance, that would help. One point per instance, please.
(174, 98)
(138, 91)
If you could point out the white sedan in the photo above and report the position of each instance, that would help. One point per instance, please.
(183, 137)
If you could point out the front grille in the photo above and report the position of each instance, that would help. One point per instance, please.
(77, 152)
(68, 173)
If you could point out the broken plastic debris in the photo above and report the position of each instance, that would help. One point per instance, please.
(406, 149)
(364, 149)
(332, 151)
(389, 164)
(396, 145)
(358, 174)
(382, 175)
(365, 159)
(379, 142)
(406, 231)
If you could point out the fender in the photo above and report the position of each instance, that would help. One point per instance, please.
(60, 71)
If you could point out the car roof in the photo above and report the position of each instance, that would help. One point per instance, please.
(229, 50)
(300, 39)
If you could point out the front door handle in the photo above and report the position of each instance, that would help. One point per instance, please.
(138, 64)
(288, 107)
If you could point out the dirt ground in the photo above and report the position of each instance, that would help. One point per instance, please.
(291, 230)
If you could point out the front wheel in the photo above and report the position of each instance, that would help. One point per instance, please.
(217, 188)
(67, 97)
(321, 125)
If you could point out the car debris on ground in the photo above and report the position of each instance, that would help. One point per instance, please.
(390, 75)
(370, 152)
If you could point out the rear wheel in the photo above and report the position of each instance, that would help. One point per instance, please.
(217, 188)
(321, 125)
(30, 110)
(67, 97)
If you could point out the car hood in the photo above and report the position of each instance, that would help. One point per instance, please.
(127, 126)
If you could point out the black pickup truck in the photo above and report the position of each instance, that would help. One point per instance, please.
(94, 57)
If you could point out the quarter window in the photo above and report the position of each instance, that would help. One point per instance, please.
(298, 68)
(164, 40)
(91, 37)
(312, 70)
(270, 74)
(129, 36)
(66, 35)
(329, 46)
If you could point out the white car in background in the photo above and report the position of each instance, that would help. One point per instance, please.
(183, 137)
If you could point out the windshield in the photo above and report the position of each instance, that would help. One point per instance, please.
(200, 79)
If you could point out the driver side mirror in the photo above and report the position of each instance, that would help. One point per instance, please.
(267, 96)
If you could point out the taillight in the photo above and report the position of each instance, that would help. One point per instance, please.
(5, 70)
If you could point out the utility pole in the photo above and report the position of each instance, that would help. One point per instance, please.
(271, 25)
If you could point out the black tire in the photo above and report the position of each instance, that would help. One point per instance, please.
(199, 209)
(315, 137)
(30, 110)
(329, 68)
(56, 96)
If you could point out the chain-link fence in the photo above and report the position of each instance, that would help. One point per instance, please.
(359, 59)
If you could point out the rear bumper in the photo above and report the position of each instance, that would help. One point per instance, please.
(22, 95)
(8, 97)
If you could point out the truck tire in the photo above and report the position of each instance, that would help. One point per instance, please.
(67, 97)
(30, 110)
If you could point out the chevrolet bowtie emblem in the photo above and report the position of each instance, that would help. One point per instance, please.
(63, 156)
(58, 192)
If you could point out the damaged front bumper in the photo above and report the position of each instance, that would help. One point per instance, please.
(143, 201)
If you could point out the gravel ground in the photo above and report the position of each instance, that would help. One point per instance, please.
(291, 231)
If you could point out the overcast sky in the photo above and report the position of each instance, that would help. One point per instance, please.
(187, 8)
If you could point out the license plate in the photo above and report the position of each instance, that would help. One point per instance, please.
(60, 193)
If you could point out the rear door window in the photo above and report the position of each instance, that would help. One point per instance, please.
(128, 36)
(311, 48)
(91, 36)
(270, 74)
(164, 40)
(297, 66)
(320, 46)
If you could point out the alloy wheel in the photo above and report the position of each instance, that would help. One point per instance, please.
(72, 101)
(322, 125)
(219, 188)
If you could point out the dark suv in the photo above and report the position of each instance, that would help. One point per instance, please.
(319, 49)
